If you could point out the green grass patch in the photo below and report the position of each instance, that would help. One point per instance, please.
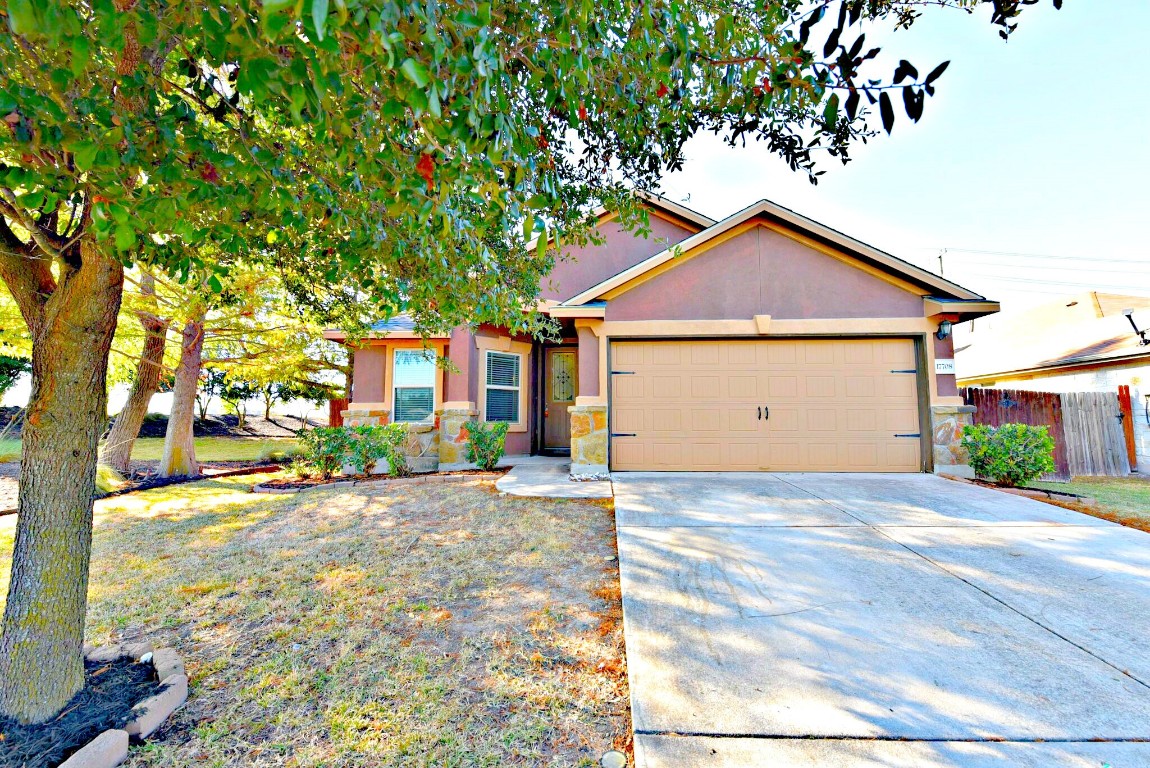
(207, 448)
(218, 448)
(1126, 496)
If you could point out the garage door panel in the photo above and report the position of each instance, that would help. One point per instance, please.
(834, 405)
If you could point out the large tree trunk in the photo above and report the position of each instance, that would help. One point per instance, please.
(179, 441)
(117, 450)
(71, 320)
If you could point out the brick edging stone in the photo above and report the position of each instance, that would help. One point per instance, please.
(110, 748)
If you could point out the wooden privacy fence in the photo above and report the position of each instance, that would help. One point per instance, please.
(1087, 427)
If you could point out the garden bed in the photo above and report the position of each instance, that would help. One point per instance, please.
(293, 485)
(128, 693)
(1040, 494)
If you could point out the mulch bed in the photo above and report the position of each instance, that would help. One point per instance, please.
(303, 484)
(106, 701)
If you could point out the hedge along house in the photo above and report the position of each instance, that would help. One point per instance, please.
(765, 341)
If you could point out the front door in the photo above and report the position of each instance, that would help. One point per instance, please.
(561, 385)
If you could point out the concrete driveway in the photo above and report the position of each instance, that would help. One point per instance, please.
(878, 620)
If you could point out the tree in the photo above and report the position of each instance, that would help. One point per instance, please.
(116, 451)
(236, 393)
(389, 142)
(11, 369)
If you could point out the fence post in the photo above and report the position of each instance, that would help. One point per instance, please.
(1128, 424)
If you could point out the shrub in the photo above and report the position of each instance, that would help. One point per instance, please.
(369, 444)
(1011, 454)
(279, 455)
(485, 442)
(329, 449)
(108, 480)
(325, 448)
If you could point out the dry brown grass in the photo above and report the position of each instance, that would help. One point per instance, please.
(440, 625)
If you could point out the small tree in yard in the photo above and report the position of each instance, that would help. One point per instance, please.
(1010, 454)
(407, 147)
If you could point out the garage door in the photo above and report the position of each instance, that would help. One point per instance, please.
(833, 405)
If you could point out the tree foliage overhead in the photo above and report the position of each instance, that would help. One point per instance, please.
(391, 140)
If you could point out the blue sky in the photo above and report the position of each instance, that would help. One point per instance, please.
(1036, 146)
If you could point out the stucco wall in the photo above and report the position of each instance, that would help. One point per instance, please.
(592, 264)
(1100, 380)
(369, 383)
(763, 272)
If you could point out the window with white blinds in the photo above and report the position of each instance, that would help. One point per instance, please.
(501, 397)
(414, 385)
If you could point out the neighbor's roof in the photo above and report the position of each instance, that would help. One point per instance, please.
(398, 327)
(868, 253)
(1086, 330)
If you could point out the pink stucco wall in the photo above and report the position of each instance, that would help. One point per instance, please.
(588, 363)
(761, 272)
(584, 267)
(369, 380)
(944, 350)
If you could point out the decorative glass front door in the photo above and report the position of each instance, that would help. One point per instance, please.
(562, 385)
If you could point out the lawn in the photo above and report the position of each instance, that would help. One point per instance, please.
(421, 625)
(1127, 498)
(207, 448)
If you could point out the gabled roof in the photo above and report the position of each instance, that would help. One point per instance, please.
(892, 264)
(658, 203)
(398, 327)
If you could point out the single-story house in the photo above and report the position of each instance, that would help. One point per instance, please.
(765, 341)
(1085, 343)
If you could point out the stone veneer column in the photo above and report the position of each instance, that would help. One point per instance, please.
(365, 417)
(453, 434)
(588, 441)
(946, 423)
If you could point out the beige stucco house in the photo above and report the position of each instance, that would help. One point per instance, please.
(765, 341)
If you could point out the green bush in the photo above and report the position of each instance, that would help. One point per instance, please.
(485, 443)
(325, 448)
(329, 449)
(370, 444)
(1011, 454)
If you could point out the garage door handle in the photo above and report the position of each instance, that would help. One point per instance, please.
(766, 412)
(760, 413)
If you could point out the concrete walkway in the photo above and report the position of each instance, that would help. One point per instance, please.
(878, 620)
(550, 478)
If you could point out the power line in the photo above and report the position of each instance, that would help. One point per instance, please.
(1048, 256)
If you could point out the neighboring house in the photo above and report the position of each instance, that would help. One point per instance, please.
(1081, 344)
(765, 341)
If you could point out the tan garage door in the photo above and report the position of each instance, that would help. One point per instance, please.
(834, 405)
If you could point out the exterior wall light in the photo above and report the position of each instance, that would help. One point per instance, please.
(1142, 340)
(943, 329)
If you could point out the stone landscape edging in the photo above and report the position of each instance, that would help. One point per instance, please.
(110, 748)
(425, 479)
(1038, 494)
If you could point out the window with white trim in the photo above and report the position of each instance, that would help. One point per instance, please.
(502, 387)
(413, 385)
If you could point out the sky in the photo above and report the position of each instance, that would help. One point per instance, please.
(1030, 166)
